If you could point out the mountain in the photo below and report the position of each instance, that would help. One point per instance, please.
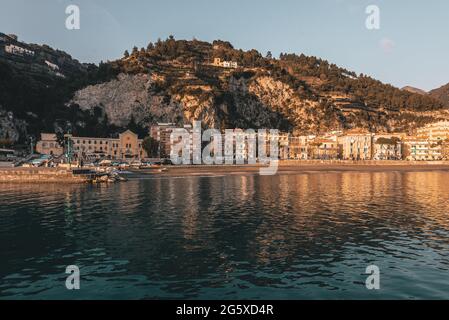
(35, 83)
(180, 81)
(414, 90)
(441, 94)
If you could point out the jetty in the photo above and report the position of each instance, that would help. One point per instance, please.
(54, 175)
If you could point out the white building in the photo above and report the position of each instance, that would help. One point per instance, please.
(52, 66)
(13, 49)
(356, 145)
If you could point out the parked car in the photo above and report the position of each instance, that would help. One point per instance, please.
(135, 164)
(123, 165)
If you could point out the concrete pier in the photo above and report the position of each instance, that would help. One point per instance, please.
(42, 175)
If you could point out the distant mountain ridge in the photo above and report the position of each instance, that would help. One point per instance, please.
(180, 81)
(441, 94)
(414, 90)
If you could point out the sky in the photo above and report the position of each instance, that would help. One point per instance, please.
(410, 47)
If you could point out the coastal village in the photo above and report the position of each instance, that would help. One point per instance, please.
(430, 143)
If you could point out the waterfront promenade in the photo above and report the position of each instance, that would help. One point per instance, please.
(298, 166)
(59, 175)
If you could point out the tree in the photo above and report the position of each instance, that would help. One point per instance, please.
(269, 55)
(135, 51)
(151, 146)
(126, 54)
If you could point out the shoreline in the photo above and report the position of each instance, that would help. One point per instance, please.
(64, 176)
(290, 168)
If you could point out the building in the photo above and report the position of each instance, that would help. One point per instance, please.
(162, 133)
(387, 146)
(299, 147)
(126, 146)
(225, 64)
(445, 150)
(429, 144)
(52, 66)
(418, 149)
(356, 145)
(324, 149)
(16, 50)
(434, 131)
(49, 145)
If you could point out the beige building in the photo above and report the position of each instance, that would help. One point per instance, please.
(225, 64)
(388, 146)
(13, 49)
(416, 149)
(445, 150)
(429, 143)
(434, 131)
(356, 145)
(49, 145)
(126, 146)
(299, 147)
(324, 149)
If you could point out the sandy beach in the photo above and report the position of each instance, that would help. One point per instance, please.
(297, 167)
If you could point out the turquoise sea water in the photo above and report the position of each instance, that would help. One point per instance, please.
(301, 236)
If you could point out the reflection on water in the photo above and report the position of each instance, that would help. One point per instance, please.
(298, 236)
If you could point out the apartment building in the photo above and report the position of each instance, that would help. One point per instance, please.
(126, 146)
(434, 131)
(162, 133)
(356, 145)
(299, 147)
(388, 146)
(417, 149)
(324, 149)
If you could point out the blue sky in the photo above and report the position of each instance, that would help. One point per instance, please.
(411, 47)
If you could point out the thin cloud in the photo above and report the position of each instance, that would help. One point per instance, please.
(387, 45)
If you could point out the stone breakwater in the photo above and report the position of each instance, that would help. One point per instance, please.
(42, 175)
